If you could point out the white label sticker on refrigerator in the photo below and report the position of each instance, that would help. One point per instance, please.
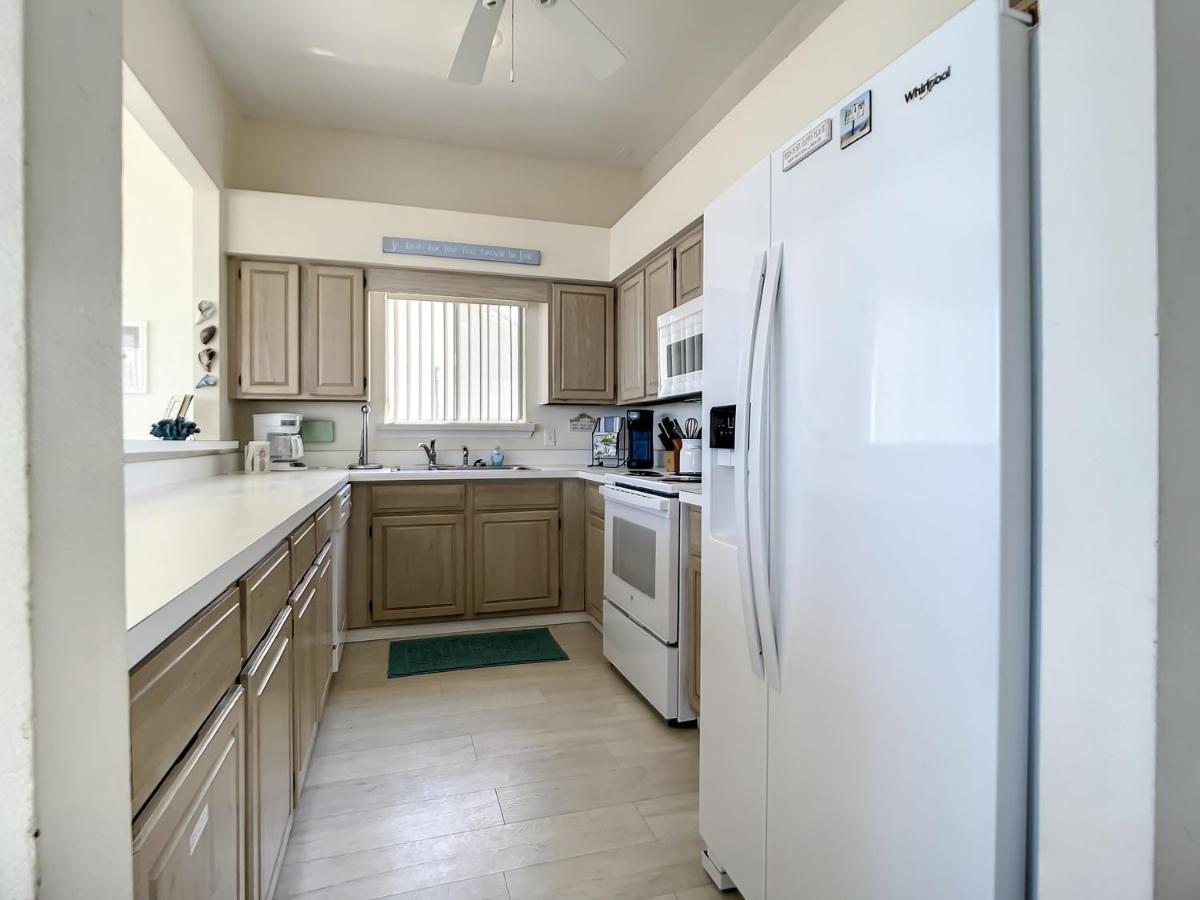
(808, 144)
(856, 119)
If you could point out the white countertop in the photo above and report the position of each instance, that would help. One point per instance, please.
(187, 542)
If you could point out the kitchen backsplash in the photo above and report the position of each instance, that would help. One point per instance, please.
(400, 448)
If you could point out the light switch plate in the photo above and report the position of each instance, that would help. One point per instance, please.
(551, 437)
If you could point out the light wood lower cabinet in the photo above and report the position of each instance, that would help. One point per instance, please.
(267, 679)
(189, 842)
(516, 565)
(265, 591)
(173, 691)
(418, 566)
(306, 686)
(324, 652)
(595, 567)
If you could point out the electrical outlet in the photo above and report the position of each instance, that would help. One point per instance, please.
(551, 437)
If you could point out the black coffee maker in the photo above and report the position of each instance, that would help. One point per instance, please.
(639, 430)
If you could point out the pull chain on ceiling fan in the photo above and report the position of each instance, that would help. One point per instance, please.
(593, 47)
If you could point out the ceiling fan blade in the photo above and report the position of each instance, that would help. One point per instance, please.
(476, 46)
(598, 53)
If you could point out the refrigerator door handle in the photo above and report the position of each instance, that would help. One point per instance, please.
(741, 503)
(758, 468)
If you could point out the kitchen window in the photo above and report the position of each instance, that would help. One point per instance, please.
(454, 361)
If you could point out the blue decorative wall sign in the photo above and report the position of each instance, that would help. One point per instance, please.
(455, 250)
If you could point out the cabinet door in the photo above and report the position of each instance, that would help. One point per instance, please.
(333, 315)
(516, 560)
(631, 347)
(660, 298)
(595, 567)
(306, 636)
(190, 841)
(418, 564)
(323, 656)
(693, 627)
(689, 267)
(268, 329)
(269, 734)
(582, 343)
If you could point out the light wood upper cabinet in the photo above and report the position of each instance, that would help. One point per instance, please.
(582, 344)
(418, 566)
(335, 332)
(516, 563)
(191, 839)
(689, 267)
(301, 332)
(269, 760)
(268, 328)
(660, 298)
(631, 346)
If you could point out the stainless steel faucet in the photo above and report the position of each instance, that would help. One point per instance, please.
(466, 456)
(430, 451)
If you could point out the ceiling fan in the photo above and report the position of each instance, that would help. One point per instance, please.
(595, 50)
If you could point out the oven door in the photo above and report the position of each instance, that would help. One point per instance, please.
(641, 549)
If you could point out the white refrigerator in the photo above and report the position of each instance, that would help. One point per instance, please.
(866, 586)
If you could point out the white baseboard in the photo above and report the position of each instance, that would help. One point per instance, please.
(595, 624)
(468, 626)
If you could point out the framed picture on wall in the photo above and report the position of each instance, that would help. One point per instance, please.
(133, 358)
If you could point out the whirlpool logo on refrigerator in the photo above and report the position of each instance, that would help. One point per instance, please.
(925, 88)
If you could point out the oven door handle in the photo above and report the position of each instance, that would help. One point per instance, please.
(660, 505)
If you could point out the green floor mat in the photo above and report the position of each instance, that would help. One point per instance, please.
(421, 656)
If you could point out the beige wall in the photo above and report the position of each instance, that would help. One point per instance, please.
(72, 160)
(265, 224)
(156, 272)
(18, 859)
(162, 48)
(857, 40)
(353, 165)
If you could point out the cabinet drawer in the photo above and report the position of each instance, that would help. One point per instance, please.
(303, 545)
(191, 839)
(693, 514)
(595, 500)
(418, 497)
(265, 590)
(173, 692)
(326, 519)
(516, 494)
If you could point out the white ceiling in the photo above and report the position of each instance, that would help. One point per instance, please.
(380, 66)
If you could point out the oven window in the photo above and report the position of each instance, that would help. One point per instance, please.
(633, 554)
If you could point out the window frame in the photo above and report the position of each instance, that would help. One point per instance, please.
(525, 426)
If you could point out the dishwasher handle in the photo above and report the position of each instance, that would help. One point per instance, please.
(636, 499)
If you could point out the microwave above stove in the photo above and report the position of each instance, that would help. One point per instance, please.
(681, 349)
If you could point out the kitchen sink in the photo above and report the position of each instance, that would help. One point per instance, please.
(440, 468)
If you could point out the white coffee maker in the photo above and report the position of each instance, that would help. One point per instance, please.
(282, 432)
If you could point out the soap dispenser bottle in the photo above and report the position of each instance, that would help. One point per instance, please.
(497, 456)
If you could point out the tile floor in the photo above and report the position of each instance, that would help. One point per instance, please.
(552, 780)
